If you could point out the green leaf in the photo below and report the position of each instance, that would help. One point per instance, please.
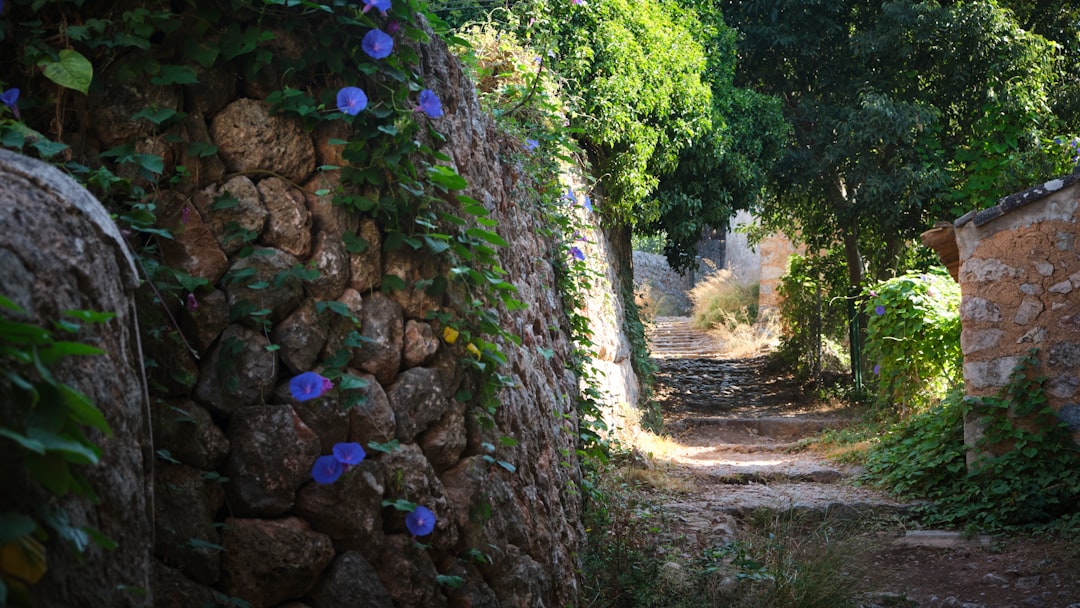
(155, 115)
(26, 442)
(71, 71)
(51, 471)
(445, 176)
(82, 410)
(72, 450)
(15, 525)
(175, 74)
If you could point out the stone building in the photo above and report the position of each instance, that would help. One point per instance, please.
(1018, 265)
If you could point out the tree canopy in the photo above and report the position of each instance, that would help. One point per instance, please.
(902, 113)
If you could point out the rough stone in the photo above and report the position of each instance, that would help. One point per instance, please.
(979, 310)
(1064, 354)
(445, 440)
(982, 270)
(1035, 335)
(113, 105)
(203, 323)
(240, 371)
(420, 343)
(349, 510)
(1070, 415)
(1029, 309)
(413, 268)
(381, 322)
(272, 454)
(1031, 289)
(333, 220)
(249, 138)
(194, 247)
(60, 250)
(266, 562)
(975, 340)
(186, 504)
(372, 420)
(343, 322)
(234, 212)
(289, 225)
(410, 474)
(264, 286)
(1063, 387)
(330, 154)
(418, 400)
(171, 370)
(351, 581)
(989, 374)
(301, 336)
(174, 590)
(1062, 287)
(331, 260)
(1044, 268)
(186, 430)
(366, 267)
(326, 416)
(406, 571)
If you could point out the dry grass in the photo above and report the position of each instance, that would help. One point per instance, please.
(721, 299)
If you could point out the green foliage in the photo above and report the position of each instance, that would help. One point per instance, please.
(637, 72)
(913, 337)
(903, 113)
(43, 439)
(813, 313)
(1026, 470)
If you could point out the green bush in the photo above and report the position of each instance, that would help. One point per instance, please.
(913, 338)
(1026, 470)
(813, 313)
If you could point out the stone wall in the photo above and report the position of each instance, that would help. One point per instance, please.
(1019, 279)
(60, 251)
(775, 251)
(668, 290)
(237, 513)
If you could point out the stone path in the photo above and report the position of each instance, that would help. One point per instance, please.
(735, 426)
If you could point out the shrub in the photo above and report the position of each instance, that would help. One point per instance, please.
(813, 313)
(721, 300)
(913, 338)
(1026, 469)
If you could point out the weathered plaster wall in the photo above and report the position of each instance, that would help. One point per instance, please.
(1020, 288)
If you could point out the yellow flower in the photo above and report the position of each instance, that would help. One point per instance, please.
(449, 334)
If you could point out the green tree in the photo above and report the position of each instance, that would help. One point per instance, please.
(636, 72)
(902, 113)
(725, 170)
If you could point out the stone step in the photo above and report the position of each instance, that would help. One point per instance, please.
(796, 499)
(753, 430)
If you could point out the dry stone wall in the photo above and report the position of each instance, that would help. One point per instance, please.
(237, 513)
(1019, 274)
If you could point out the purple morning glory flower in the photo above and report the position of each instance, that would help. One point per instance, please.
(10, 98)
(588, 203)
(191, 303)
(307, 385)
(877, 369)
(392, 27)
(577, 253)
(377, 44)
(421, 521)
(351, 100)
(879, 310)
(381, 5)
(327, 469)
(326, 384)
(349, 453)
(531, 144)
(430, 104)
(570, 196)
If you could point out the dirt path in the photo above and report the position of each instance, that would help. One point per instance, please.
(735, 426)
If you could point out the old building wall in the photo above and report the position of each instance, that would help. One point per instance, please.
(1020, 289)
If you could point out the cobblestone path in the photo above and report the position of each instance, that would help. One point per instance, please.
(736, 425)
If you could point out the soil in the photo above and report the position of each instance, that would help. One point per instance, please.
(736, 426)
